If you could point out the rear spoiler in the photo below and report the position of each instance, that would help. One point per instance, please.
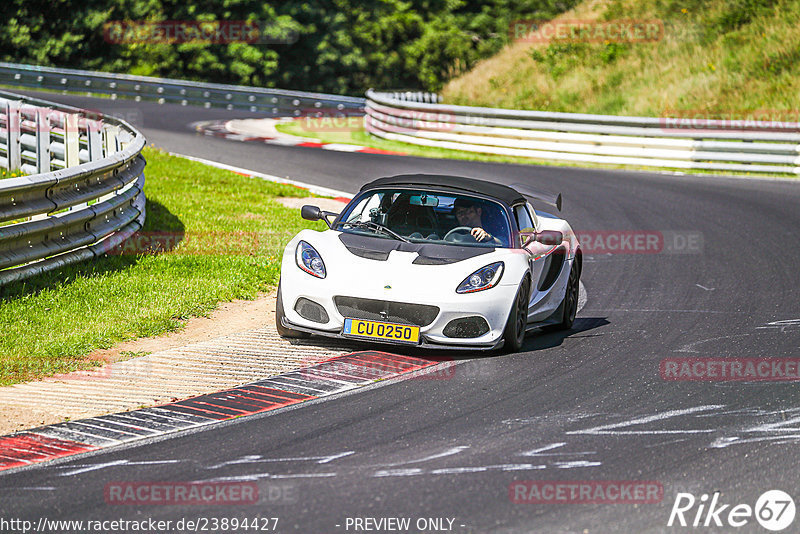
(543, 197)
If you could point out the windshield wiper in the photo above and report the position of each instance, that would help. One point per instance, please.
(378, 228)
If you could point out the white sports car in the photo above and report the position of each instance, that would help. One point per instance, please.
(429, 260)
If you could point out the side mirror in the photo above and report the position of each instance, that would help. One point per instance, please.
(313, 213)
(545, 237)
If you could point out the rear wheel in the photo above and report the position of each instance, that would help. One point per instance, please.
(282, 330)
(570, 302)
(514, 333)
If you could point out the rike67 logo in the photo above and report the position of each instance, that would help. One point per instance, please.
(774, 510)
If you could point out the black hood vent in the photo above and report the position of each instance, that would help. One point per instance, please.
(377, 248)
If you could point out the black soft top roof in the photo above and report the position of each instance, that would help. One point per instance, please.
(455, 183)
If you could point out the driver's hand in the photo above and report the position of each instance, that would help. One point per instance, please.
(480, 234)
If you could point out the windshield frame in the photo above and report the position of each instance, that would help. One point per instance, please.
(507, 210)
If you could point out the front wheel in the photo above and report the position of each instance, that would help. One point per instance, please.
(282, 330)
(514, 333)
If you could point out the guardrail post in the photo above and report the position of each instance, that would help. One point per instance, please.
(72, 146)
(94, 142)
(94, 133)
(42, 140)
(71, 141)
(110, 139)
(3, 141)
(42, 118)
(110, 146)
(13, 125)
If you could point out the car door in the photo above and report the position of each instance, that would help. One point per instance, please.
(526, 222)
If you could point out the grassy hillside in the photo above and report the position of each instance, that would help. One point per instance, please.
(722, 57)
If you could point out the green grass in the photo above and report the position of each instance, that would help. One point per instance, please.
(5, 173)
(363, 138)
(235, 232)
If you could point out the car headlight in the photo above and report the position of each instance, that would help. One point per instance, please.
(484, 278)
(309, 260)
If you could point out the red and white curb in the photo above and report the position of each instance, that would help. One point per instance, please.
(330, 377)
(220, 129)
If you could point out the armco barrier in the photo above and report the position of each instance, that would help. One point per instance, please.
(673, 143)
(84, 189)
(275, 102)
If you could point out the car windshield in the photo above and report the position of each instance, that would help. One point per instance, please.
(427, 217)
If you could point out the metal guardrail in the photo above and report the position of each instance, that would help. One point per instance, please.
(85, 189)
(276, 102)
(674, 143)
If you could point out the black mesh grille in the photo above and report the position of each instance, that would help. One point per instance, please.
(393, 312)
(308, 309)
(424, 260)
(377, 255)
(466, 327)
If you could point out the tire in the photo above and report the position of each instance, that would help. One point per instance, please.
(514, 333)
(570, 302)
(282, 330)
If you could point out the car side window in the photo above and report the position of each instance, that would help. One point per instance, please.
(363, 207)
(532, 213)
(524, 220)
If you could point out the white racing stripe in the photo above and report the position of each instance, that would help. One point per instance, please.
(316, 189)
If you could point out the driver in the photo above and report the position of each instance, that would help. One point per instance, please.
(468, 213)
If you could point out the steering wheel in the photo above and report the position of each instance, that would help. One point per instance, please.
(457, 232)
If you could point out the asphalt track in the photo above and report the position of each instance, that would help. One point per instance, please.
(588, 405)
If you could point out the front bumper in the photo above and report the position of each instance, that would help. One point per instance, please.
(493, 306)
(424, 341)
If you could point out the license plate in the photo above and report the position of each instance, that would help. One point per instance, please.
(398, 333)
